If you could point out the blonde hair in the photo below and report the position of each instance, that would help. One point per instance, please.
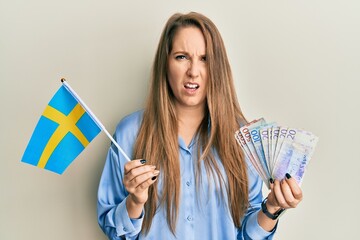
(157, 141)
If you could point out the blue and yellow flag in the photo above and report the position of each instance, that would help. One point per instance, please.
(63, 131)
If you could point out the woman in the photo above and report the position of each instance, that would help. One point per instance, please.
(189, 179)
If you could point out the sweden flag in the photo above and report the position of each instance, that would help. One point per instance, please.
(63, 131)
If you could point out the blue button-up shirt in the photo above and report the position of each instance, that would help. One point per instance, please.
(202, 213)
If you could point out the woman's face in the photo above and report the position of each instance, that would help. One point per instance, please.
(187, 71)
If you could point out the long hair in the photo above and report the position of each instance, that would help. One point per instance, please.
(157, 140)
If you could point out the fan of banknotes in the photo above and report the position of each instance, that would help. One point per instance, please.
(276, 150)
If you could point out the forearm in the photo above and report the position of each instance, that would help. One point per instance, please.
(134, 209)
(113, 216)
(264, 221)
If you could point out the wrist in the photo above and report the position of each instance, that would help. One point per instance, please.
(270, 211)
(134, 209)
(270, 208)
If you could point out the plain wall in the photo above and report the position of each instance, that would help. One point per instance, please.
(294, 62)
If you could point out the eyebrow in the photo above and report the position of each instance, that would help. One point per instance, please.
(183, 52)
(186, 53)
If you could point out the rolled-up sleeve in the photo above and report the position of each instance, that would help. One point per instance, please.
(250, 227)
(126, 226)
(113, 217)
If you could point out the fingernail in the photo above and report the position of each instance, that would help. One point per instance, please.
(153, 178)
(142, 161)
(271, 180)
(288, 176)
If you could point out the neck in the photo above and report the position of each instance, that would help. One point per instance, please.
(189, 120)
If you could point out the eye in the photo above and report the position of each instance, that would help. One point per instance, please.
(203, 58)
(180, 57)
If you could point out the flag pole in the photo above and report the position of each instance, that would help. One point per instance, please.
(93, 117)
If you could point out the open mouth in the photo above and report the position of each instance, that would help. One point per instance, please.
(192, 86)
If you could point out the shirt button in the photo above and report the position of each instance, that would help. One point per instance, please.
(188, 183)
(189, 218)
(125, 230)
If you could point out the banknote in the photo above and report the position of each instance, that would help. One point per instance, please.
(244, 134)
(256, 140)
(282, 134)
(275, 150)
(241, 140)
(281, 164)
(304, 146)
(285, 152)
(265, 144)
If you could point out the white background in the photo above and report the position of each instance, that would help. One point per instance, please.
(294, 62)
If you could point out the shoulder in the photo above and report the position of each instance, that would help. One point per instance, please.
(127, 130)
(130, 122)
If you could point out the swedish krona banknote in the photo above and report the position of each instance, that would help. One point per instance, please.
(275, 150)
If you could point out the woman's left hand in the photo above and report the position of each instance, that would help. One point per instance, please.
(284, 194)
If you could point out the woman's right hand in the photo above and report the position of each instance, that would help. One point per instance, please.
(138, 177)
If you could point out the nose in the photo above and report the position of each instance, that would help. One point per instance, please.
(193, 69)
